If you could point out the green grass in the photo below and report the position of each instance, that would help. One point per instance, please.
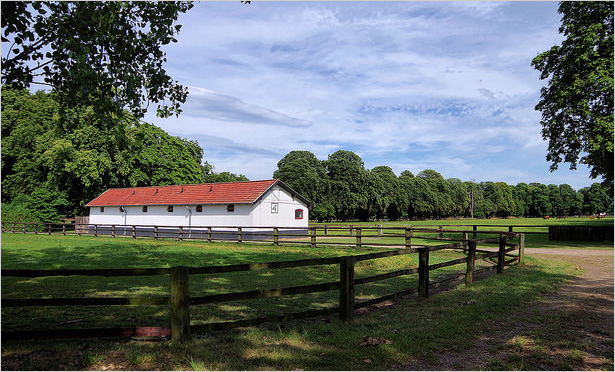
(418, 329)
(528, 225)
(73, 252)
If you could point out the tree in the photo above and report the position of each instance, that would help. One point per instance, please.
(224, 177)
(102, 54)
(577, 103)
(391, 190)
(66, 170)
(348, 184)
(304, 173)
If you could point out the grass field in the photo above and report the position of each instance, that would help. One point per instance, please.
(418, 329)
(74, 252)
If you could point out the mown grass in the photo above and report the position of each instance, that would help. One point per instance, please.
(73, 252)
(419, 330)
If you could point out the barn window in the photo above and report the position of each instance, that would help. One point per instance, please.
(102, 209)
(230, 208)
(199, 208)
(170, 208)
(298, 214)
(144, 209)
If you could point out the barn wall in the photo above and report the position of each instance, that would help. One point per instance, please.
(286, 206)
(212, 215)
(259, 214)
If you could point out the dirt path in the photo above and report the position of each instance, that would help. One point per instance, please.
(571, 329)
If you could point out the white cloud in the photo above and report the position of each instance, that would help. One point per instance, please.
(445, 85)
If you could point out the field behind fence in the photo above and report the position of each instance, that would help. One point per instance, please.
(414, 269)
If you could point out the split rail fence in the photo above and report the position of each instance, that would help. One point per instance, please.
(180, 301)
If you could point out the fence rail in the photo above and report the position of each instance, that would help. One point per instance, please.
(180, 301)
(362, 236)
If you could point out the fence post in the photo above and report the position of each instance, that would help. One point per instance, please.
(474, 228)
(78, 231)
(95, 230)
(2, 227)
(510, 229)
(521, 248)
(209, 234)
(36, 229)
(465, 242)
(134, 231)
(358, 237)
(275, 237)
(156, 232)
(380, 230)
(239, 235)
(180, 233)
(501, 255)
(49, 228)
(346, 288)
(470, 262)
(441, 233)
(63, 229)
(325, 227)
(424, 272)
(312, 237)
(24, 227)
(13, 228)
(180, 304)
(408, 241)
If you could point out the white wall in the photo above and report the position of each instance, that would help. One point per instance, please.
(286, 206)
(258, 214)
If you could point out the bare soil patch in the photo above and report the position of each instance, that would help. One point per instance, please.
(570, 329)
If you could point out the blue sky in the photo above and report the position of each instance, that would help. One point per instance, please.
(413, 85)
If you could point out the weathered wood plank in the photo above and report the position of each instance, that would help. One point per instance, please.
(46, 334)
(85, 301)
(180, 304)
(346, 285)
(392, 274)
(264, 293)
(86, 272)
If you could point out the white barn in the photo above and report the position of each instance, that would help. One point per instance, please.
(251, 204)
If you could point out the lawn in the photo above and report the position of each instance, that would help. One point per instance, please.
(417, 329)
(74, 252)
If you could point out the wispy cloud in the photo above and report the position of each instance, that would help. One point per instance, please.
(445, 85)
(212, 105)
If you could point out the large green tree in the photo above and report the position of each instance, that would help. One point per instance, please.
(47, 166)
(103, 54)
(577, 103)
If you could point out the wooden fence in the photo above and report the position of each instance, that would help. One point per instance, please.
(362, 236)
(180, 301)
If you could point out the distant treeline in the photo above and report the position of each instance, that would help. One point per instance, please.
(342, 188)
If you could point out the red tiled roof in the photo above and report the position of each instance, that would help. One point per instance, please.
(207, 193)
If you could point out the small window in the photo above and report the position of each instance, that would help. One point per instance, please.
(230, 208)
(274, 207)
(144, 209)
(102, 209)
(170, 208)
(122, 209)
(298, 214)
(199, 208)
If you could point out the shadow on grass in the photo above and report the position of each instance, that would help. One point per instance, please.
(418, 329)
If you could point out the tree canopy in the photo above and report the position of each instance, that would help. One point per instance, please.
(577, 103)
(101, 54)
(342, 188)
(57, 173)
